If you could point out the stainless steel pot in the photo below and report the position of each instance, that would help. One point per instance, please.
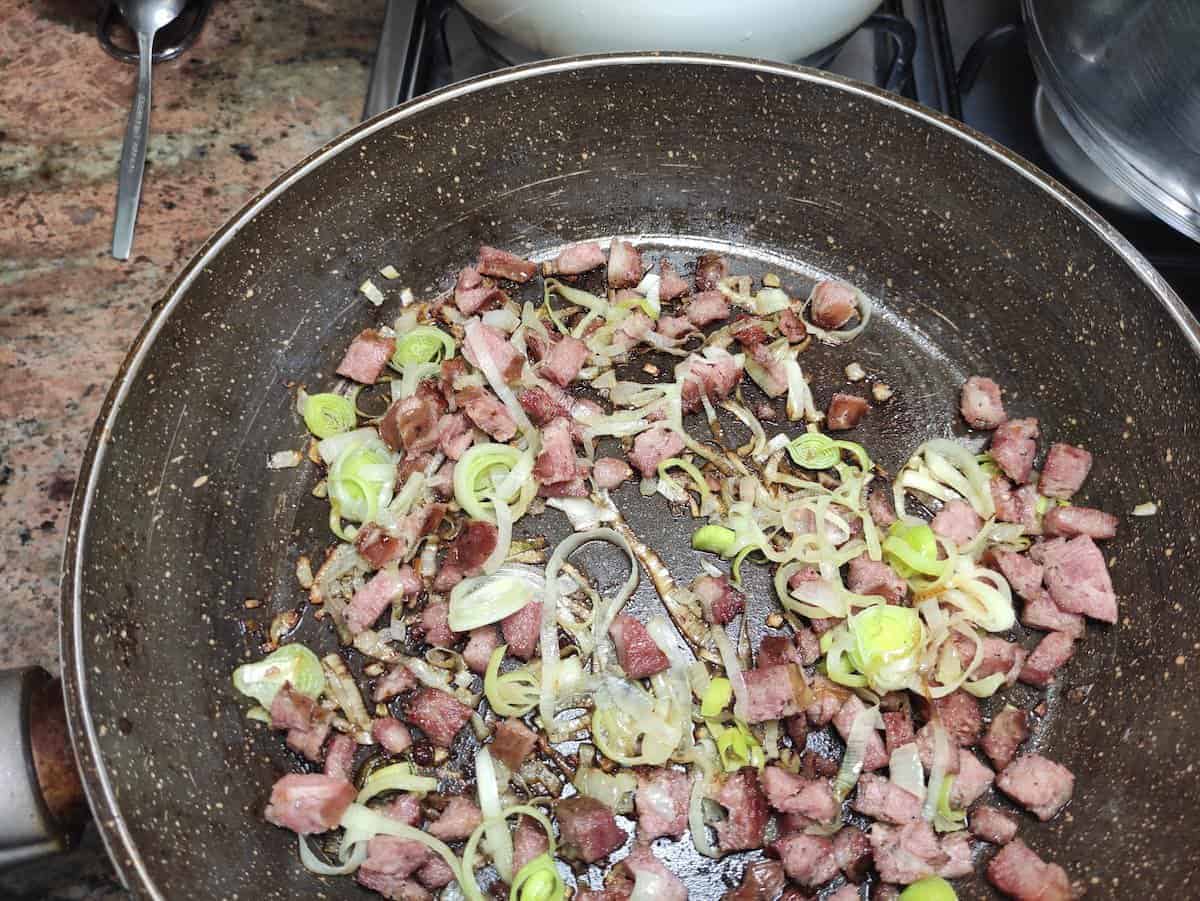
(1124, 78)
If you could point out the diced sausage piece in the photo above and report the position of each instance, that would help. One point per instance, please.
(1040, 612)
(513, 742)
(455, 435)
(633, 328)
(775, 650)
(960, 714)
(662, 803)
(673, 326)
(609, 472)
(749, 331)
(1018, 505)
(522, 629)
(1078, 579)
(529, 842)
(339, 757)
(465, 557)
(651, 447)
(451, 380)
(1051, 653)
(391, 885)
(848, 892)
(827, 699)
(372, 599)
(564, 361)
(308, 742)
(588, 830)
(957, 848)
(807, 859)
(478, 652)
(1067, 522)
(881, 506)
(486, 343)
(457, 821)
(410, 582)
(876, 755)
(1023, 574)
(992, 825)
(485, 411)
(904, 854)
(1014, 445)
(366, 356)
(774, 692)
(625, 267)
(377, 547)
(391, 734)
(576, 259)
(958, 522)
(292, 710)
(1038, 784)
(670, 284)
(845, 411)
(439, 715)
(575, 487)
(761, 881)
(1007, 730)
(1022, 875)
(792, 327)
(308, 803)
(642, 864)
(881, 799)
(720, 600)
(998, 656)
(852, 851)
(307, 724)
(706, 307)
(472, 294)
(556, 460)
(411, 423)
(809, 646)
(714, 376)
(833, 304)
(502, 264)
(710, 269)
(1065, 470)
(746, 812)
(897, 729)
(972, 780)
(435, 873)
(435, 623)
(875, 577)
(397, 681)
(980, 403)
(637, 652)
(541, 407)
(789, 793)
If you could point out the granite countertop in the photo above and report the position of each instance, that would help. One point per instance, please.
(267, 83)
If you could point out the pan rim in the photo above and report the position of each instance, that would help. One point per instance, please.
(114, 828)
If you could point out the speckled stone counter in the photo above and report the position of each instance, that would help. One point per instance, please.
(267, 82)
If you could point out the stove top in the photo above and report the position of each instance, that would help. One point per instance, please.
(966, 58)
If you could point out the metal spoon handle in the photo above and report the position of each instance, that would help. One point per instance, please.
(133, 154)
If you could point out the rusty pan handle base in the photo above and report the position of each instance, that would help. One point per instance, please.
(42, 804)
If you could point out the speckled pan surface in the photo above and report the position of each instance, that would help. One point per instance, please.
(979, 264)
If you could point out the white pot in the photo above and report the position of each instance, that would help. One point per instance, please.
(783, 30)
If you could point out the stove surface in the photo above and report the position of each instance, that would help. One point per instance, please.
(969, 60)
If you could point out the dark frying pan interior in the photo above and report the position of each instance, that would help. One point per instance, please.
(979, 263)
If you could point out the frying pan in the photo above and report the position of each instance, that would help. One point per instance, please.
(979, 263)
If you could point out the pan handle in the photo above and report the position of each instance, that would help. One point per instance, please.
(42, 804)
